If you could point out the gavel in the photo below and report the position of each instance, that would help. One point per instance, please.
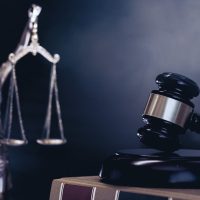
(169, 112)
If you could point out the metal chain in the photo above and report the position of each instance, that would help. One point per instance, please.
(47, 124)
(53, 90)
(18, 105)
(9, 114)
(13, 90)
(5, 122)
(58, 110)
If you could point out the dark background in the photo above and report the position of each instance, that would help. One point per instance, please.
(111, 51)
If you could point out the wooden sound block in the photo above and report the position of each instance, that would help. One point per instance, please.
(153, 168)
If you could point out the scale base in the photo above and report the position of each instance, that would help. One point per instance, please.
(153, 168)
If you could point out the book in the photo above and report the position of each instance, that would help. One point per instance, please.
(91, 188)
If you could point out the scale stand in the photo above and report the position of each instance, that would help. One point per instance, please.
(29, 44)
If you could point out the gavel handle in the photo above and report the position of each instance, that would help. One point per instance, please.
(195, 123)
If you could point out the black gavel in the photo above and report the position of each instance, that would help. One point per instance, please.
(169, 112)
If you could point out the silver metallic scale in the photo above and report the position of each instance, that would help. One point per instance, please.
(29, 44)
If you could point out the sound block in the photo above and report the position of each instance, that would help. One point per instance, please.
(153, 168)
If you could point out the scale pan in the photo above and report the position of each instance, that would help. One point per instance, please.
(13, 142)
(51, 141)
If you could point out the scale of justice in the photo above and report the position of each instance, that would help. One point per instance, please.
(29, 44)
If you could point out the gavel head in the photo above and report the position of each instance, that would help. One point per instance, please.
(168, 112)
